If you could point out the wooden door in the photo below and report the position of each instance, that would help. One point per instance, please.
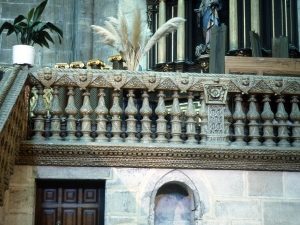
(67, 202)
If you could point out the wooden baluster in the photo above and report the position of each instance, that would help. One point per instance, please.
(101, 112)
(227, 117)
(203, 116)
(131, 111)
(146, 111)
(116, 112)
(253, 116)
(295, 118)
(267, 116)
(176, 112)
(86, 110)
(39, 111)
(161, 111)
(281, 116)
(55, 111)
(71, 110)
(190, 113)
(239, 125)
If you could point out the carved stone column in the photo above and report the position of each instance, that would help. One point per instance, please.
(295, 118)
(131, 111)
(39, 111)
(116, 112)
(146, 111)
(176, 112)
(281, 115)
(162, 41)
(55, 111)
(255, 14)
(233, 25)
(203, 117)
(227, 117)
(267, 116)
(190, 114)
(86, 110)
(71, 110)
(239, 126)
(253, 116)
(161, 111)
(101, 112)
(181, 32)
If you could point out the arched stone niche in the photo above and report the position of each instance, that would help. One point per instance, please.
(174, 195)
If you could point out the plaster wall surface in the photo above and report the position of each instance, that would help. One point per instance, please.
(218, 197)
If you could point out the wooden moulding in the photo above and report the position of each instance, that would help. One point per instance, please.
(262, 66)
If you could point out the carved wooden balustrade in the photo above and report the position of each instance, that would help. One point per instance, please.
(151, 119)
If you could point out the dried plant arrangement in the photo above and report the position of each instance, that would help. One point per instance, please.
(133, 40)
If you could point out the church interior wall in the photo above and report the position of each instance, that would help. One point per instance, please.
(218, 196)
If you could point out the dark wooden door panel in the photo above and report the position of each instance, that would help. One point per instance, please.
(49, 216)
(69, 202)
(89, 216)
(69, 216)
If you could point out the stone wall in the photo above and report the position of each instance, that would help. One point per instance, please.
(217, 197)
(74, 17)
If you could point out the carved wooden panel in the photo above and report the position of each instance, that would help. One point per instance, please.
(69, 202)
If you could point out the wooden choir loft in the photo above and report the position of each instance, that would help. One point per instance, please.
(268, 18)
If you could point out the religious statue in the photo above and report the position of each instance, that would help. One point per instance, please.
(208, 10)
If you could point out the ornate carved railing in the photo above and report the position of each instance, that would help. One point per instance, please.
(148, 119)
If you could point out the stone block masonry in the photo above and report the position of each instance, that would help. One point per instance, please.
(247, 197)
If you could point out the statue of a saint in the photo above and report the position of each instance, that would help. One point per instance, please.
(209, 11)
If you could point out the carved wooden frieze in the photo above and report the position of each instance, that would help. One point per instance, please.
(154, 81)
(156, 156)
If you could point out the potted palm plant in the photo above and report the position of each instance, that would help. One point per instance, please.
(30, 30)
